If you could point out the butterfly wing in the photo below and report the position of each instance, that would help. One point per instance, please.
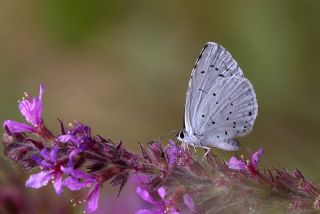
(228, 110)
(214, 61)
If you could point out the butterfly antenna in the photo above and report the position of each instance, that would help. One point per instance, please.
(168, 133)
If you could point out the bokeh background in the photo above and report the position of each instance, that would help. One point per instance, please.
(123, 67)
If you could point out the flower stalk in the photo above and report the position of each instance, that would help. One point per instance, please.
(177, 182)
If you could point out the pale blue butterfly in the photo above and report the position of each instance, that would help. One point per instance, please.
(220, 103)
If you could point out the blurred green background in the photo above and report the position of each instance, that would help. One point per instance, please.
(123, 66)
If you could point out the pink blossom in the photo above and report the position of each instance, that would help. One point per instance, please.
(31, 109)
(163, 206)
(251, 165)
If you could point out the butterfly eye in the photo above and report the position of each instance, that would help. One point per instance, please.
(181, 135)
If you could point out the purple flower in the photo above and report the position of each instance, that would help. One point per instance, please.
(79, 180)
(79, 136)
(163, 206)
(235, 163)
(52, 170)
(173, 151)
(78, 140)
(31, 109)
(250, 165)
(176, 155)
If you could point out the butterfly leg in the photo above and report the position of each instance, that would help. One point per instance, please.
(184, 146)
(207, 150)
(195, 150)
(194, 147)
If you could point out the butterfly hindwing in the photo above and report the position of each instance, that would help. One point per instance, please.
(228, 110)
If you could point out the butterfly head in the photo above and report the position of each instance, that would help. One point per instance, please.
(183, 136)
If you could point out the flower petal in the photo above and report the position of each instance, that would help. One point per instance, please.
(67, 138)
(45, 153)
(234, 163)
(73, 184)
(46, 164)
(162, 192)
(67, 170)
(255, 158)
(73, 157)
(145, 195)
(37, 159)
(39, 180)
(189, 202)
(41, 91)
(16, 127)
(57, 184)
(144, 211)
(53, 154)
(31, 110)
(93, 198)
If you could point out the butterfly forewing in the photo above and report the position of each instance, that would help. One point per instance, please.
(214, 61)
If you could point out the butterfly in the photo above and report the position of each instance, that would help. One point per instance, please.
(220, 103)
